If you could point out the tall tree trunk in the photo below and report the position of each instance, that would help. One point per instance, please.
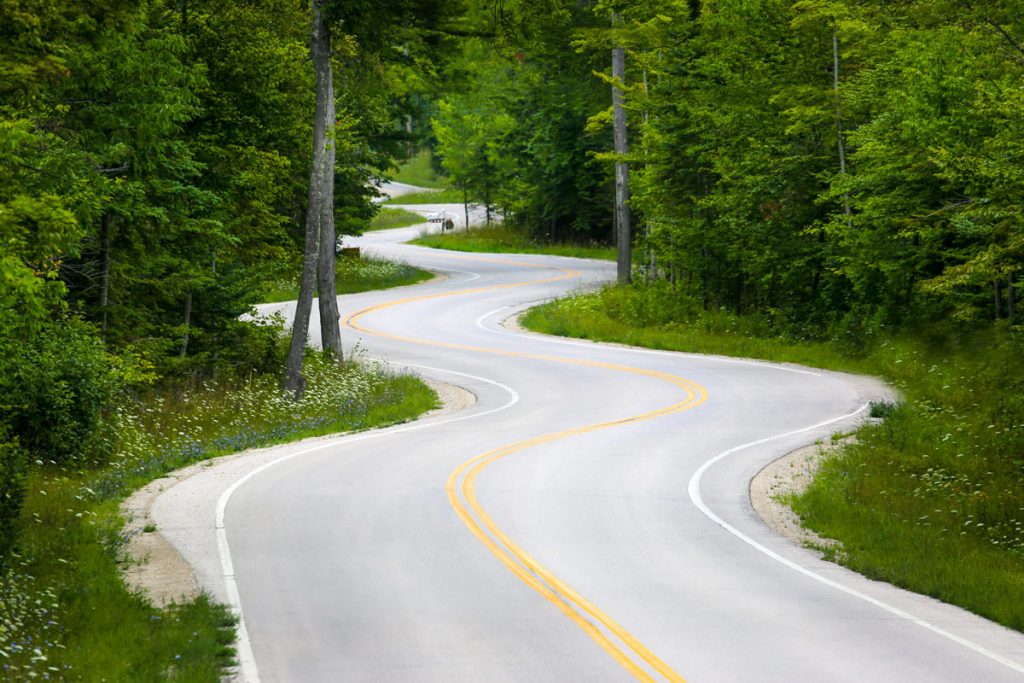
(465, 203)
(839, 119)
(104, 270)
(1011, 299)
(624, 236)
(187, 322)
(293, 378)
(324, 155)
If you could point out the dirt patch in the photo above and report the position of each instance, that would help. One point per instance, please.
(156, 568)
(790, 474)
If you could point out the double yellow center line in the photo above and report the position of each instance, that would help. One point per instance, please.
(630, 653)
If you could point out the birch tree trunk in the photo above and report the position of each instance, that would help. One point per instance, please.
(624, 233)
(839, 118)
(104, 269)
(293, 378)
(325, 149)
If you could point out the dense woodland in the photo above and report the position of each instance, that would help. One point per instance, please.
(830, 170)
(827, 165)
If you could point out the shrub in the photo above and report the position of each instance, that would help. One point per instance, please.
(12, 490)
(57, 388)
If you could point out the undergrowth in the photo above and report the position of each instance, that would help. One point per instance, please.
(65, 613)
(931, 498)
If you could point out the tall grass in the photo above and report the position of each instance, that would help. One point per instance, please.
(418, 170)
(388, 219)
(65, 614)
(505, 239)
(440, 196)
(932, 498)
(352, 275)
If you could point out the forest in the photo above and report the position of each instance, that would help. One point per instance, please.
(843, 172)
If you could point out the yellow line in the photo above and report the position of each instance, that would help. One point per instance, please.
(549, 586)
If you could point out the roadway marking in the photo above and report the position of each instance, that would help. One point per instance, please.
(606, 632)
(698, 500)
(246, 660)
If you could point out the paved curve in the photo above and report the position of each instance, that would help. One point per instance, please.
(567, 527)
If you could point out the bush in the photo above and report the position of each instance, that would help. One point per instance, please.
(57, 388)
(12, 491)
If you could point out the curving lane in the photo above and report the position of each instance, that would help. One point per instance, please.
(586, 520)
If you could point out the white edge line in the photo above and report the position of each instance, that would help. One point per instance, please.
(655, 352)
(698, 500)
(246, 659)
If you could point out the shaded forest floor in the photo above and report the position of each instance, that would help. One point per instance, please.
(932, 498)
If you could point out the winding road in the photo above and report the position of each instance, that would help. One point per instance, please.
(586, 519)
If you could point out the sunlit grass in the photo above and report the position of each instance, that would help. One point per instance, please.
(388, 219)
(418, 171)
(504, 239)
(353, 275)
(442, 196)
(932, 498)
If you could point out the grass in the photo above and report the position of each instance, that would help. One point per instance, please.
(353, 275)
(504, 239)
(445, 196)
(388, 219)
(419, 171)
(65, 613)
(930, 499)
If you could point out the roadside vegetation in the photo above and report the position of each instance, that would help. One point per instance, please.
(65, 613)
(419, 170)
(388, 219)
(932, 498)
(504, 239)
(444, 196)
(354, 274)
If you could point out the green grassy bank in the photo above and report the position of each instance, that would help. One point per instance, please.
(65, 613)
(388, 219)
(503, 239)
(352, 275)
(932, 498)
(419, 171)
(438, 196)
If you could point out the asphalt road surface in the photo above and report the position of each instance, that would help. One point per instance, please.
(587, 519)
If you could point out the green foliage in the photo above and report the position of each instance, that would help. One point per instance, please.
(13, 465)
(57, 392)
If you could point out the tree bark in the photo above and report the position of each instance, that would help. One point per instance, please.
(839, 119)
(293, 378)
(624, 234)
(187, 321)
(324, 154)
(1011, 299)
(105, 270)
